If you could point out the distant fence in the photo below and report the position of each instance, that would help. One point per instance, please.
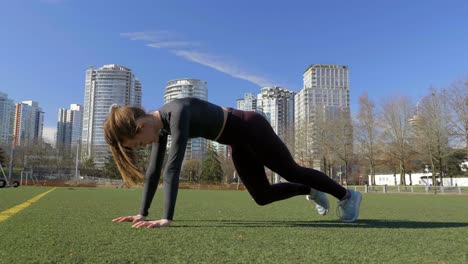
(411, 189)
(74, 183)
(87, 181)
(211, 186)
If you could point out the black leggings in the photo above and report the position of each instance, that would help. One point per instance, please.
(254, 144)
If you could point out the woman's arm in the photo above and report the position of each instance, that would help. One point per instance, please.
(153, 173)
(179, 138)
(171, 182)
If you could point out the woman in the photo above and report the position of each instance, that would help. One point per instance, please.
(253, 143)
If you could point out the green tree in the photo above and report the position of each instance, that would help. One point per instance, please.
(88, 167)
(142, 155)
(110, 168)
(2, 157)
(191, 170)
(89, 163)
(211, 167)
(454, 161)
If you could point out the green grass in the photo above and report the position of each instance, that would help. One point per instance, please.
(73, 225)
(10, 197)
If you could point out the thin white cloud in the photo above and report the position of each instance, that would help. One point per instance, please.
(49, 135)
(171, 41)
(151, 36)
(53, 1)
(169, 44)
(222, 65)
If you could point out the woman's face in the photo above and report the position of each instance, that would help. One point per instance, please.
(145, 134)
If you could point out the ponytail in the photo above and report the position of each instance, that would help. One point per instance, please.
(119, 125)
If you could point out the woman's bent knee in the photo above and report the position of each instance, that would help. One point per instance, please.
(262, 200)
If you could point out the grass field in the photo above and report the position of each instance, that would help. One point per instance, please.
(73, 225)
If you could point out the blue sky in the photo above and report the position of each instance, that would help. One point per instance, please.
(392, 48)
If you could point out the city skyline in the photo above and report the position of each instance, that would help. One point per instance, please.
(392, 49)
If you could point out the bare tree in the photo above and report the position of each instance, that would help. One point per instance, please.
(434, 125)
(326, 153)
(342, 143)
(288, 140)
(322, 136)
(367, 133)
(228, 168)
(334, 135)
(396, 134)
(457, 97)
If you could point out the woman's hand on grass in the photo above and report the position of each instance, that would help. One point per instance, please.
(151, 224)
(134, 219)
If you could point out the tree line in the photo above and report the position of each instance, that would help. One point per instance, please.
(401, 137)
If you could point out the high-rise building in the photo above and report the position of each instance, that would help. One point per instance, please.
(278, 106)
(110, 84)
(7, 118)
(180, 88)
(248, 103)
(326, 89)
(29, 123)
(69, 127)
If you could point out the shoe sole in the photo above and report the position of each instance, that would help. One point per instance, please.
(356, 212)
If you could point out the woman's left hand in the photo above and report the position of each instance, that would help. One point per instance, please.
(151, 224)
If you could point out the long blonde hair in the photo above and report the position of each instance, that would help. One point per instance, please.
(120, 125)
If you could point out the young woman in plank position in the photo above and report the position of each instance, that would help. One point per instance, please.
(253, 143)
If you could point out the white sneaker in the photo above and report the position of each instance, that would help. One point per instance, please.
(321, 201)
(348, 210)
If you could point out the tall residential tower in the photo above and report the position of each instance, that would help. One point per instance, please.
(110, 84)
(29, 123)
(69, 126)
(248, 103)
(326, 90)
(7, 117)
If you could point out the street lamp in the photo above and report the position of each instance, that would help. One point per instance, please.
(10, 165)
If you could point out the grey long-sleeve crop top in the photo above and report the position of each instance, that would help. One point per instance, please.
(183, 119)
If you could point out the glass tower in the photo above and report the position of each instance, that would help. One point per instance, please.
(110, 84)
(29, 123)
(69, 127)
(7, 117)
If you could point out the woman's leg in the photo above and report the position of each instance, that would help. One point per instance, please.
(269, 150)
(252, 173)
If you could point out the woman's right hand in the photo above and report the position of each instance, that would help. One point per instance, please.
(134, 219)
